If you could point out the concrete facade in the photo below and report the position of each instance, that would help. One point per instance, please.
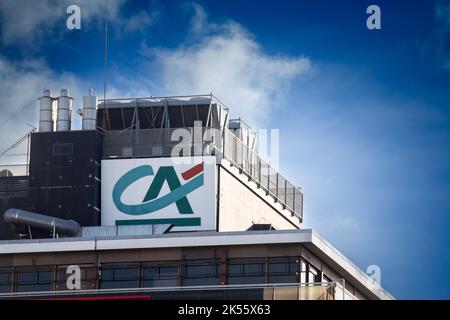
(241, 203)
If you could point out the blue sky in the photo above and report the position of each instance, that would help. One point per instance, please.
(364, 115)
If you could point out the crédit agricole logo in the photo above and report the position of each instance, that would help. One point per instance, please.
(153, 201)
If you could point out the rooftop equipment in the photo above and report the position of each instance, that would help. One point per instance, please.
(63, 121)
(90, 111)
(46, 111)
(40, 221)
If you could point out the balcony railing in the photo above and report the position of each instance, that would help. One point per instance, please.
(293, 291)
(259, 171)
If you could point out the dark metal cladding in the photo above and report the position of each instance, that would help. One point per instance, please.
(65, 175)
(13, 194)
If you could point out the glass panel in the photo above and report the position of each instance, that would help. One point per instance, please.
(325, 278)
(119, 277)
(246, 280)
(278, 267)
(34, 281)
(282, 265)
(151, 273)
(288, 293)
(293, 278)
(235, 269)
(303, 277)
(5, 282)
(304, 266)
(161, 276)
(246, 271)
(168, 272)
(282, 270)
(201, 274)
(253, 268)
(314, 274)
(27, 277)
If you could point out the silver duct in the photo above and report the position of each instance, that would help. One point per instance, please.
(46, 111)
(64, 114)
(90, 111)
(21, 217)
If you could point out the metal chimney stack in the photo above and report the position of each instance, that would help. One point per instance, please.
(64, 114)
(90, 111)
(46, 111)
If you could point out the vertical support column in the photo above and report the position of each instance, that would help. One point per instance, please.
(285, 192)
(293, 202)
(209, 112)
(259, 171)
(137, 126)
(276, 189)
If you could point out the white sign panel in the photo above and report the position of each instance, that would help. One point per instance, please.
(160, 191)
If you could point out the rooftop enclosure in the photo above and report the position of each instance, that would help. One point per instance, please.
(62, 177)
(143, 127)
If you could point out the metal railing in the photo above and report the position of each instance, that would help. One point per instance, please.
(151, 143)
(289, 291)
(259, 171)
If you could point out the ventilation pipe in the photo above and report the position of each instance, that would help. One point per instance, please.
(90, 111)
(46, 112)
(21, 217)
(63, 120)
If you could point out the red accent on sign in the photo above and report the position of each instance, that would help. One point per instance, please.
(192, 171)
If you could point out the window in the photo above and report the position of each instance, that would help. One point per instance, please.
(201, 273)
(325, 279)
(283, 270)
(62, 149)
(161, 276)
(119, 276)
(27, 281)
(314, 275)
(303, 271)
(5, 281)
(309, 273)
(249, 271)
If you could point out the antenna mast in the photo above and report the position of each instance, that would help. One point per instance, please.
(105, 51)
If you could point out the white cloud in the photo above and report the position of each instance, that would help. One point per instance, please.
(21, 84)
(199, 21)
(227, 60)
(29, 21)
(139, 21)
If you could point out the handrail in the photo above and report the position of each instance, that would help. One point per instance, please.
(249, 157)
(173, 288)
